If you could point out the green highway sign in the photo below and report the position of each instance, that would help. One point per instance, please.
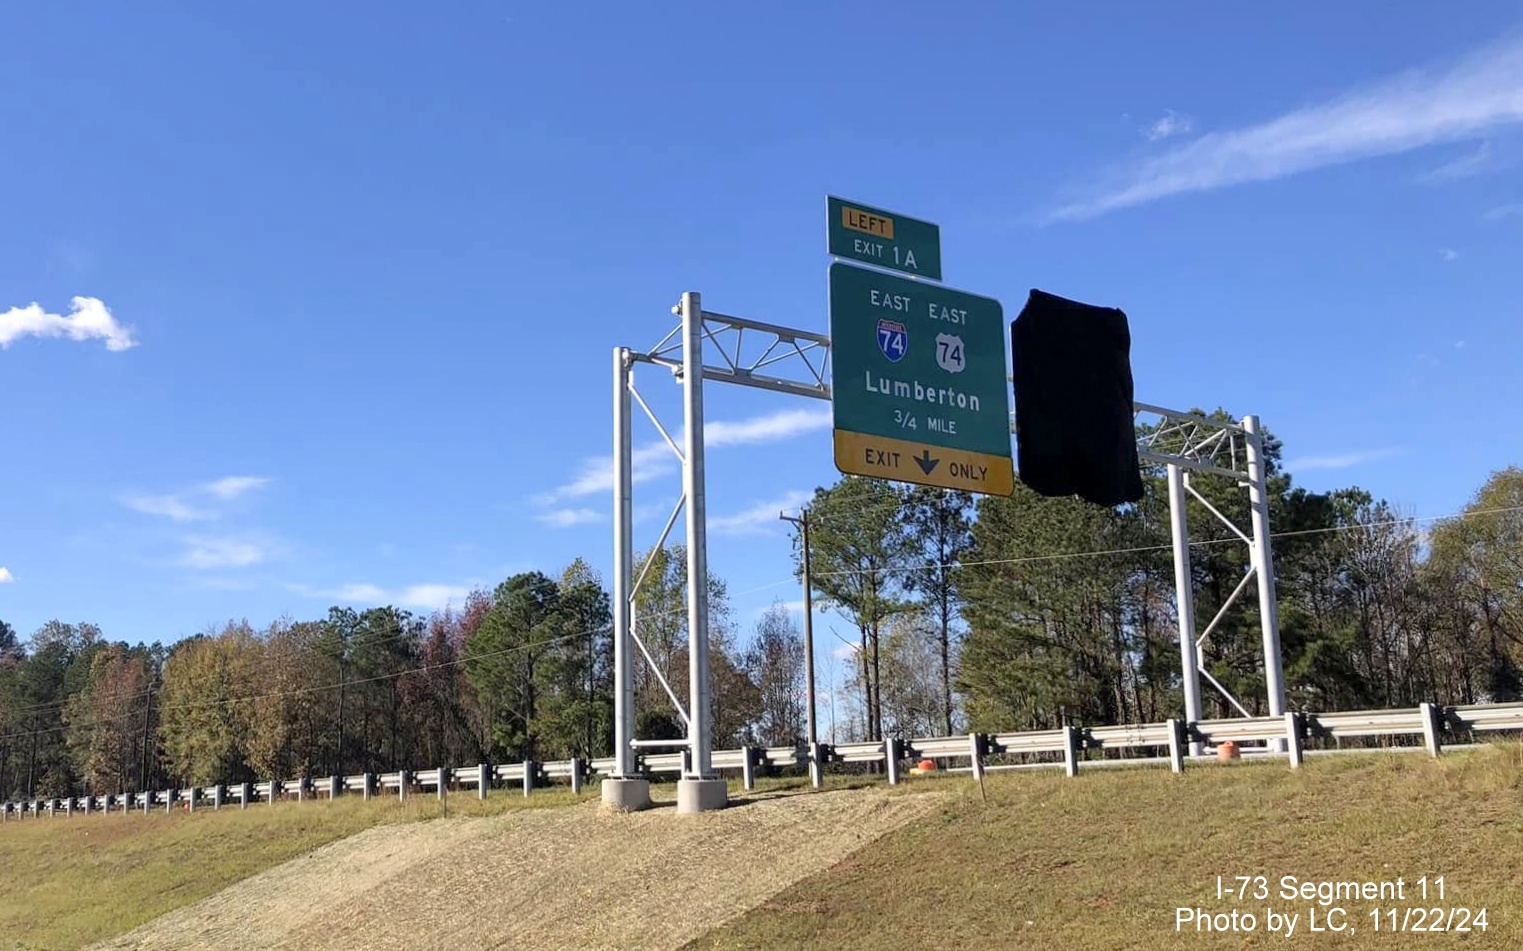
(918, 385)
(883, 238)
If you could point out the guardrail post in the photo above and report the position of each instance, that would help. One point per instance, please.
(817, 753)
(443, 779)
(245, 792)
(576, 775)
(68, 808)
(748, 768)
(1432, 716)
(147, 801)
(87, 804)
(528, 776)
(216, 797)
(483, 780)
(1176, 745)
(335, 786)
(276, 788)
(191, 802)
(976, 752)
(401, 785)
(1070, 750)
(891, 759)
(1293, 738)
(369, 784)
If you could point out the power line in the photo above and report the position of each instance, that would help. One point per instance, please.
(1058, 556)
(1029, 559)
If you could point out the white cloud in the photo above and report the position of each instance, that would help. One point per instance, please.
(88, 319)
(1170, 125)
(1343, 461)
(174, 505)
(206, 553)
(1481, 93)
(233, 486)
(776, 426)
(169, 506)
(432, 597)
(759, 518)
(358, 592)
(646, 462)
(1448, 254)
(5, 575)
(1472, 163)
(566, 518)
(656, 458)
(1503, 211)
(428, 597)
(792, 607)
(845, 651)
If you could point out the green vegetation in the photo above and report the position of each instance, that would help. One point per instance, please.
(1058, 611)
(1103, 861)
(1005, 614)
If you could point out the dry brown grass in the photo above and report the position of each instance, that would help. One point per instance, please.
(564, 878)
(1048, 862)
(65, 882)
(1103, 861)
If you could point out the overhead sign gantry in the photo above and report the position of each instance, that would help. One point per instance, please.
(954, 433)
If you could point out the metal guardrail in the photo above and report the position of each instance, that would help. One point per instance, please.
(1283, 736)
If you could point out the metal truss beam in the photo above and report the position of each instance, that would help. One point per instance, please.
(796, 362)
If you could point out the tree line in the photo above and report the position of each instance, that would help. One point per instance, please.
(520, 672)
(1029, 612)
(996, 614)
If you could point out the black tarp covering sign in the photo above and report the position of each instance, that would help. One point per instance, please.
(1073, 400)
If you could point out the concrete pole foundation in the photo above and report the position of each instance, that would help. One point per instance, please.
(701, 795)
(626, 795)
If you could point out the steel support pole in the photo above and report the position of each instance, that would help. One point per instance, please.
(1263, 562)
(623, 560)
(697, 544)
(808, 629)
(1184, 598)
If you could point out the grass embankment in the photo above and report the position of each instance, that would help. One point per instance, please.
(1105, 860)
(67, 882)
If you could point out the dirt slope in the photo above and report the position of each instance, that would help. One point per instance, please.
(558, 878)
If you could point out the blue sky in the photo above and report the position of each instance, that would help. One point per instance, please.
(349, 277)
